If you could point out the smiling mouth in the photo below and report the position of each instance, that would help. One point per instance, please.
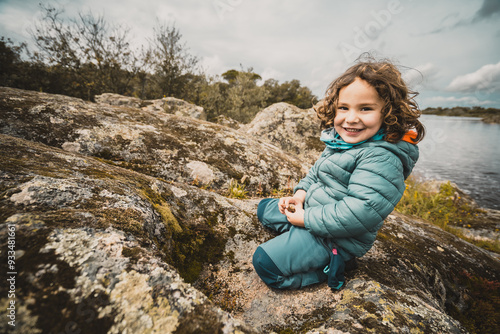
(353, 130)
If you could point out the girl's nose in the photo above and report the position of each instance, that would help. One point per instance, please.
(351, 116)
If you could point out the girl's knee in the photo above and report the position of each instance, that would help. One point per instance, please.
(265, 267)
(274, 277)
(270, 216)
(261, 208)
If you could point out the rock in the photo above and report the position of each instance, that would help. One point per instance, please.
(149, 141)
(104, 246)
(492, 119)
(183, 108)
(227, 121)
(177, 107)
(169, 105)
(292, 129)
(413, 276)
(96, 240)
(484, 226)
(118, 100)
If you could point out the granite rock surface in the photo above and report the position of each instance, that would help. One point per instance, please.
(122, 224)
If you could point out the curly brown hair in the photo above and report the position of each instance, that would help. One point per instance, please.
(400, 110)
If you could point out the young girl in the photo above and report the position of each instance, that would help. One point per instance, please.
(371, 130)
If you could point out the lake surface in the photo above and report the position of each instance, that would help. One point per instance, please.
(466, 151)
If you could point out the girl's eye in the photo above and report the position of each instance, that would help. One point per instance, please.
(342, 108)
(366, 109)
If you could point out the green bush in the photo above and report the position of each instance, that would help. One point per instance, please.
(441, 208)
(445, 208)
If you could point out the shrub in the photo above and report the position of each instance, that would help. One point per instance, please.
(445, 208)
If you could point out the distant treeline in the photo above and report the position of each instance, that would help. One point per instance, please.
(85, 56)
(488, 115)
(462, 111)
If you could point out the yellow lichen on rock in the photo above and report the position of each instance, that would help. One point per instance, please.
(168, 218)
(137, 311)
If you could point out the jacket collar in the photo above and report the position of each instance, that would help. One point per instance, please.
(333, 140)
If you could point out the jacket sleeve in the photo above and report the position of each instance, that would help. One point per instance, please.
(311, 177)
(375, 187)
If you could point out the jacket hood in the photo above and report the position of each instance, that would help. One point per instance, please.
(406, 151)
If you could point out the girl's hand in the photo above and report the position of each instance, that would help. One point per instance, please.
(288, 203)
(283, 203)
(293, 207)
(296, 218)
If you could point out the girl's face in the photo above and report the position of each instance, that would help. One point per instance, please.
(359, 112)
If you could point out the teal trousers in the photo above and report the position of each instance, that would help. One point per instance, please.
(293, 259)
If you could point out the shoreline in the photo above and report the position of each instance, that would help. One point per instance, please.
(421, 178)
(487, 115)
(490, 119)
(444, 204)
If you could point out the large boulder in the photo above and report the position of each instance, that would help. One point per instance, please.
(170, 105)
(105, 247)
(292, 129)
(171, 147)
(97, 246)
(119, 100)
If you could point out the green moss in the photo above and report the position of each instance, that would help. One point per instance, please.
(133, 253)
(99, 173)
(286, 331)
(193, 248)
(482, 313)
(201, 320)
(162, 207)
(140, 167)
(191, 245)
(49, 288)
(128, 220)
(167, 217)
(314, 143)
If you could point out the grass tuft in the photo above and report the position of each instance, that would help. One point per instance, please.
(446, 208)
(237, 190)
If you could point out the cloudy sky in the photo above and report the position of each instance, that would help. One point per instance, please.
(449, 50)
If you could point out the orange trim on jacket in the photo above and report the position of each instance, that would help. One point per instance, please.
(410, 137)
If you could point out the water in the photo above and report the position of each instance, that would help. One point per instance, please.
(466, 151)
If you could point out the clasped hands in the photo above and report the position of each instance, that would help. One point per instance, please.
(295, 218)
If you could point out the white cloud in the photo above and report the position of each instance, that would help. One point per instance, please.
(271, 73)
(422, 75)
(487, 78)
(213, 65)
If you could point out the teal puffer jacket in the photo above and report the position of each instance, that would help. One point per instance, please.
(351, 192)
